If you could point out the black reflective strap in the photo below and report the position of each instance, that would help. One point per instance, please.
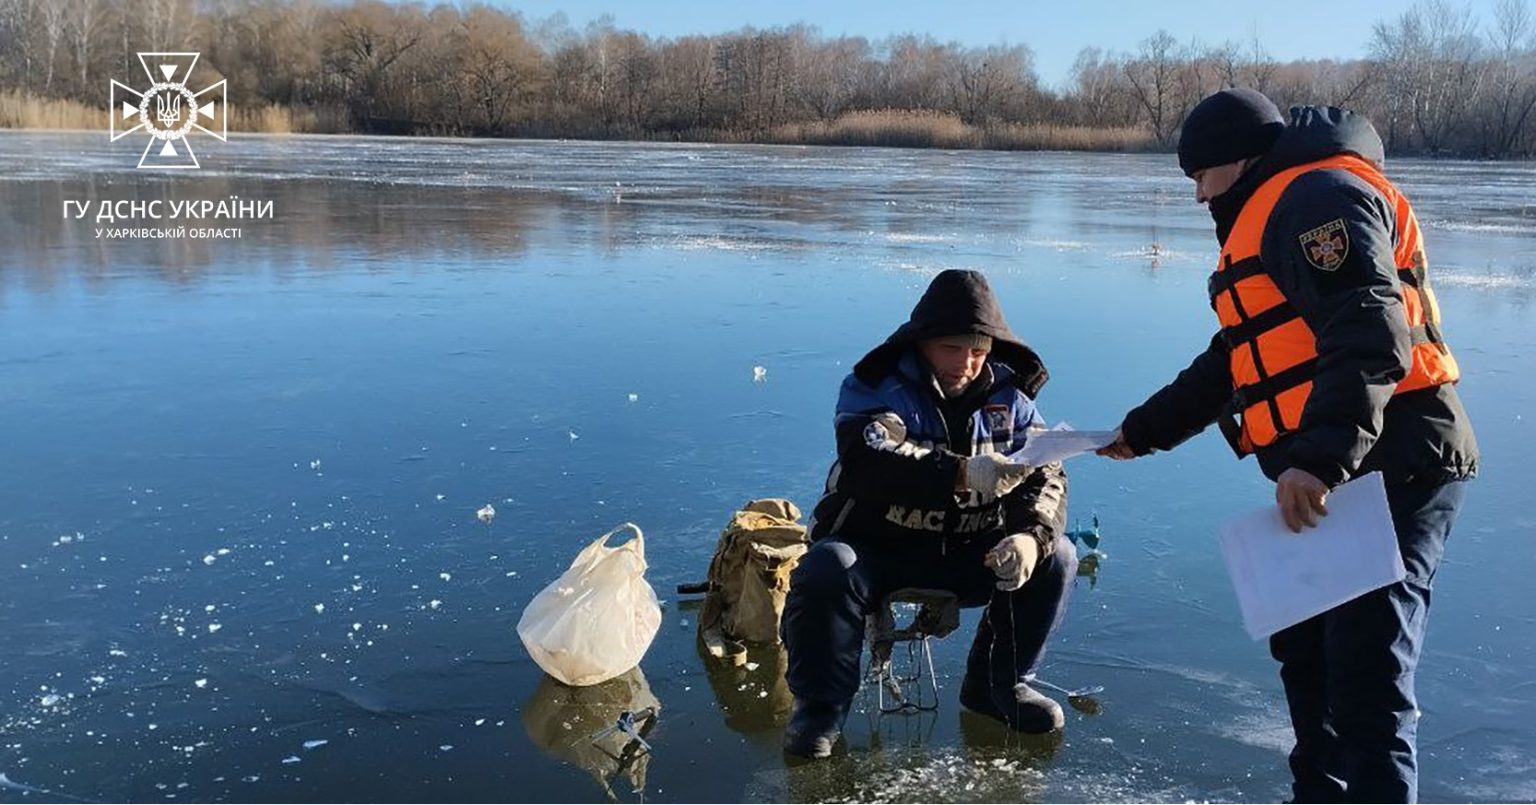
(1277, 316)
(1247, 331)
(1429, 333)
(1253, 345)
(1270, 388)
(1231, 427)
(1414, 275)
(1223, 280)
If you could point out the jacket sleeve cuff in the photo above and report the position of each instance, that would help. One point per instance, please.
(1134, 438)
(1044, 539)
(1328, 472)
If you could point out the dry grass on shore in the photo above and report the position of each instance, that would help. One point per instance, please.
(893, 128)
(21, 110)
(923, 129)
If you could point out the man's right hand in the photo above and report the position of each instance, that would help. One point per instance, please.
(991, 474)
(1118, 450)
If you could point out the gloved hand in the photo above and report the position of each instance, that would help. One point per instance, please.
(991, 474)
(1013, 560)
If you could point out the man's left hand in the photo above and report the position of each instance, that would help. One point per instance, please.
(1302, 499)
(1013, 560)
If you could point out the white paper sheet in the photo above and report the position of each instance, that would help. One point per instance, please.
(1282, 578)
(1043, 447)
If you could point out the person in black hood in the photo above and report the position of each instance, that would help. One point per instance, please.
(1330, 363)
(922, 497)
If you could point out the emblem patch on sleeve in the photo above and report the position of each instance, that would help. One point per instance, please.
(1326, 246)
(999, 418)
(876, 436)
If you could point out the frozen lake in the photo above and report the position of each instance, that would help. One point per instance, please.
(238, 540)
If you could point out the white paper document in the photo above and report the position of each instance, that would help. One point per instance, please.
(1043, 447)
(1283, 578)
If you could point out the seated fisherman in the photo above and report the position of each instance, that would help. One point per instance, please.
(921, 497)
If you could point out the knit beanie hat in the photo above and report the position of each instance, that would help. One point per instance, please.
(1228, 126)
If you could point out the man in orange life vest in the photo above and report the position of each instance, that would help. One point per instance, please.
(1329, 363)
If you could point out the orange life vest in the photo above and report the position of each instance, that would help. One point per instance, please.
(1273, 351)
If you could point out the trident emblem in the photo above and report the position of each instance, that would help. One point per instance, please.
(168, 110)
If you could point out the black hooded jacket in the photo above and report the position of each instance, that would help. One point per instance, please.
(900, 441)
(1352, 423)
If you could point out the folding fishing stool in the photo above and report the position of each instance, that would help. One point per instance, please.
(913, 687)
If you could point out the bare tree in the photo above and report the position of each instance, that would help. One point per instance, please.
(984, 83)
(54, 19)
(635, 72)
(915, 69)
(1100, 92)
(829, 74)
(1512, 79)
(85, 17)
(498, 66)
(690, 81)
(166, 23)
(364, 42)
(1431, 57)
(1229, 62)
(1261, 66)
(1156, 84)
(16, 31)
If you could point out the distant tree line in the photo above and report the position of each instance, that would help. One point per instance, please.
(1438, 79)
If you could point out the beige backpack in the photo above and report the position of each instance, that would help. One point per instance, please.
(749, 577)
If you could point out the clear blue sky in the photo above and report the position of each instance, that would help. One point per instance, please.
(1290, 29)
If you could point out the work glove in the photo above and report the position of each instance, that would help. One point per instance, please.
(991, 474)
(1013, 560)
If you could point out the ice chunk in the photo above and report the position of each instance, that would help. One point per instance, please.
(486, 514)
(316, 743)
(759, 374)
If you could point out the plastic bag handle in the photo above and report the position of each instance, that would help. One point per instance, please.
(638, 541)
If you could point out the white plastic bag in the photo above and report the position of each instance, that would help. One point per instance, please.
(595, 621)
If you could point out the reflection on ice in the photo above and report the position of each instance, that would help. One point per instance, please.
(571, 724)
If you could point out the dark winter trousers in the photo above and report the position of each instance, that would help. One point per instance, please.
(1348, 672)
(841, 579)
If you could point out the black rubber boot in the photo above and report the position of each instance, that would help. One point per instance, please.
(814, 727)
(1023, 708)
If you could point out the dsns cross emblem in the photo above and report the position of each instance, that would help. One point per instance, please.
(168, 111)
(1326, 246)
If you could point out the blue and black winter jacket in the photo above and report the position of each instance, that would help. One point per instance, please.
(900, 442)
